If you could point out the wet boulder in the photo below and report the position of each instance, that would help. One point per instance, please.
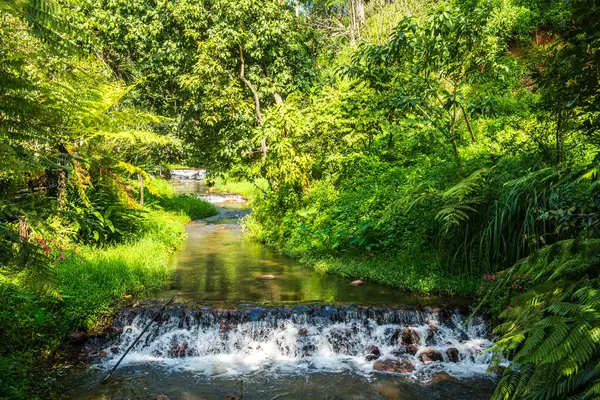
(302, 332)
(179, 350)
(399, 366)
(410, 340)
(442, 376)
(429, 356)
(392, 335)
(373, 353)
(78, 338)
(410, 336)
(431, 338)
(308, 350)
(357, 282)
(452, 354)
(412, 349)
(340, 340)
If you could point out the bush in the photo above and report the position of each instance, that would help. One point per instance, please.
(90, 283)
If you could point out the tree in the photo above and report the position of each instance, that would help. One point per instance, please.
(252, 57)
(436, 63)
(569, 77)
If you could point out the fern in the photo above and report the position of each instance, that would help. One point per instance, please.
(48, 20)
(551, 332)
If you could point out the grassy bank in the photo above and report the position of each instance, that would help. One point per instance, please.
(406, 271)
(89, 284)
(421, 275)
(245, 188)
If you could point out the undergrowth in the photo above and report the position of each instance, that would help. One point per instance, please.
(90, 284)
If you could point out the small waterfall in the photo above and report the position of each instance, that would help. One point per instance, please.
(302, 340)
(188, 173)
(222, 198)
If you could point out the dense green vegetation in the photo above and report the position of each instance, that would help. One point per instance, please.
(422, 144)
(76, 232)
(76, 286)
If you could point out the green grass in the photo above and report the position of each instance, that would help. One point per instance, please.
(91, 282)
(422, 275)
(187, 205)
(244, 188)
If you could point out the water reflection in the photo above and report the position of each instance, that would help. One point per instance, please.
(217, 263)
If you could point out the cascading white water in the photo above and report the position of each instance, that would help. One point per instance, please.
(222, 198)
(300, 340)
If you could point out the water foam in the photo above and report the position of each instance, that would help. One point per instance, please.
(299, 341)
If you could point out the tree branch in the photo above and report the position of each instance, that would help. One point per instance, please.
(259, 116)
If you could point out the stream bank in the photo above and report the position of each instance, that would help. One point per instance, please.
(297, 334)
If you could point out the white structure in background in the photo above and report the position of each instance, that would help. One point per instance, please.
(188, 173)
(222, 198)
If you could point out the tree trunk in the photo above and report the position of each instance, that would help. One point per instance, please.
(141, 181)
(452, 138)
(23, 228)
(250, 86)
(259, 117)
(61, 187)
(468, 122)
(356, 16)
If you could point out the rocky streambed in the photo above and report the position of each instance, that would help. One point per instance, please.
(425, 346)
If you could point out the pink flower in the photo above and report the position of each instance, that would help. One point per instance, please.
(512, 286)
(493, 277)
(509, 307)
(56, 262)
(521, 287)
(489, 277)
(62, 257)
(480, 287)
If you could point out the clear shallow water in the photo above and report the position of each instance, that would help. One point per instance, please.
(147, 382)
(232, 333)
(218, 264)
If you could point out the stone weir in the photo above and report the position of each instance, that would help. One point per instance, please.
(418, 342)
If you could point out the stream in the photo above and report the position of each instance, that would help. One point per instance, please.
(251, 323)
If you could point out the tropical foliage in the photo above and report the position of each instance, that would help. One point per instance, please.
(418, 143)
